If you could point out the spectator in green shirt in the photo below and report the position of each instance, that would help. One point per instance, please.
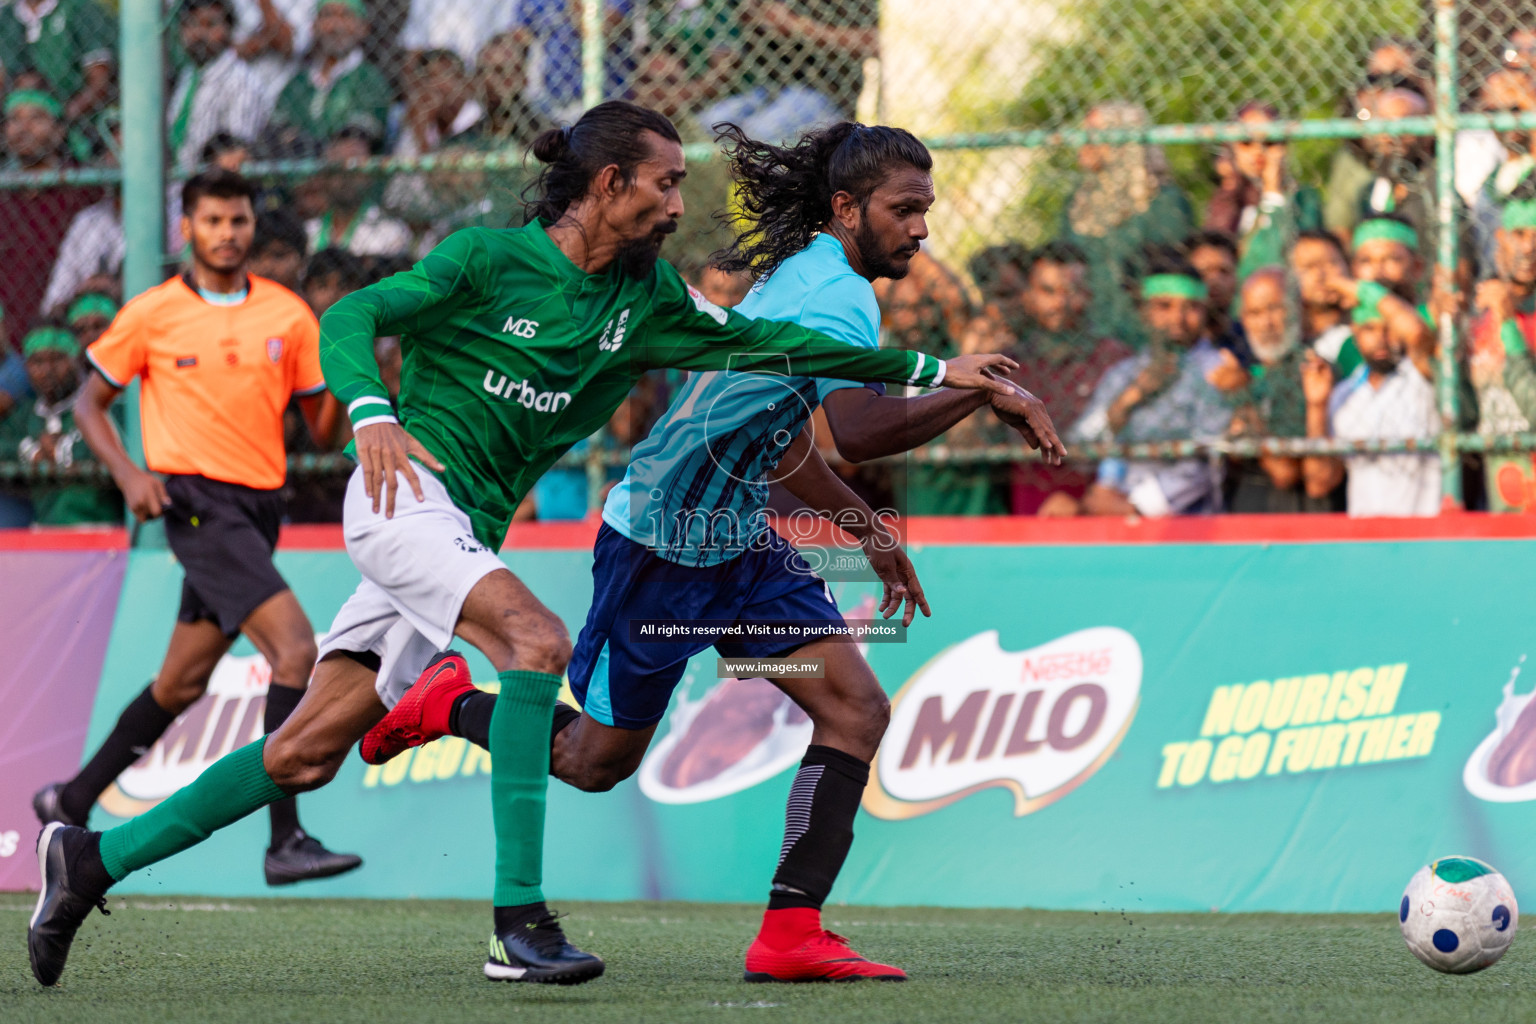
(44, 434)
(1275, 405)
(69, 43)
(338, 87)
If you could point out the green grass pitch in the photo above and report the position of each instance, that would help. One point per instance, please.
(256, 961)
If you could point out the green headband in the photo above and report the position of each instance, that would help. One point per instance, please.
(51, 339)
(355, 6)
(1380, 229)
(1179, 286)
(88, 304)
(33, 98)
(1518, 213)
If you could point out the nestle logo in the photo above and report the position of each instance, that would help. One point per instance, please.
(227, 716)
(1036, 722)
(1067, 665)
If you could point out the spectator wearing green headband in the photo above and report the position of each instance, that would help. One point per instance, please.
(45, 435)
(89, 315)
(1164, 393)
(1403, 174)
(69, 43)
(1390, 396)
(1387, 250)
(338, 87)
(1502, 337)
(33, 221)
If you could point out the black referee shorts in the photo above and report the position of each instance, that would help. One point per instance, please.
(223, 535)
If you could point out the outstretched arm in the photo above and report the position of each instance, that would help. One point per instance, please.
(866, 425)
(688, 332)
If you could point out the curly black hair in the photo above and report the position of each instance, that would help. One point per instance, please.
(784, 193)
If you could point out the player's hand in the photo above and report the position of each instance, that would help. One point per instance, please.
(1316, 380)
(896, 574)
(965, 372)
(1228, 375)
(1495, 297)
(1027, 414)
(384, 451)
(145, 494)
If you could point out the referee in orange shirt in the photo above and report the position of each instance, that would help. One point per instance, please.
(219, 352)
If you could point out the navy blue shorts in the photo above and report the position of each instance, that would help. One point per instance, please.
(627, 683)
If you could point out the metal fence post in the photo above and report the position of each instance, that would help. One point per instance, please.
(1447, 107)
(592, 47)
(143, 187)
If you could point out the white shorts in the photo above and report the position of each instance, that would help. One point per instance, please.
(418, 567)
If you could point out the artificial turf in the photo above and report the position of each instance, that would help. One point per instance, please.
(254, 961)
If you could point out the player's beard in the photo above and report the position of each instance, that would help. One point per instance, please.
(638, 258)
(878, 261)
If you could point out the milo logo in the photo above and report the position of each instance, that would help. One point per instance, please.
(1037, 723)
(228, 716)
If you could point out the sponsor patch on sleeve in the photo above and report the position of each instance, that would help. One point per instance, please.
(706, 307)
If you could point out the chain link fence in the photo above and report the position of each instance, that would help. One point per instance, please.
(1255, 258)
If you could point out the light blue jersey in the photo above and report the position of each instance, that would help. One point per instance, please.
(695, 491)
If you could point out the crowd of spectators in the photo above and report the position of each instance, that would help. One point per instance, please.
(1274, 309)
(1281, 310)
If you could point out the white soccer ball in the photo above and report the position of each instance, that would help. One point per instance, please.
(1458, 915)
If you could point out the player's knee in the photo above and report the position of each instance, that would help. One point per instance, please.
(296, 767)
(542, 646)
(176, 694)
(857, 723)
(873, 715)
(294, 662)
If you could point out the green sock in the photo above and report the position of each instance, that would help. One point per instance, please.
(519, 776)
(232, 787)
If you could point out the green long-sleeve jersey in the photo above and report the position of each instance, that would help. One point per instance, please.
(511, 354)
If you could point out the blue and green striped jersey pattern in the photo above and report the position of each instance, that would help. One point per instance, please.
(695, 492)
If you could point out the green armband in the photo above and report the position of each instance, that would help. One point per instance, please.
(1514, 341)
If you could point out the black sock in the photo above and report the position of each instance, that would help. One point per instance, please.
(509, 918)
(142, 723)
(87, 872)
(281, 700)
(564, 716)
(470, 717)
(818, 827)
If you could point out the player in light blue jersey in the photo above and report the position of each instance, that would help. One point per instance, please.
(685, 535)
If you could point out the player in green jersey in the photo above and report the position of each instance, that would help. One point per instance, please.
(516, 344)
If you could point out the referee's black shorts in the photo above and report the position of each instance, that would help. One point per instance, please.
(223, 535)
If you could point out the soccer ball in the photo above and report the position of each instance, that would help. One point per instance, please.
(1458, 915)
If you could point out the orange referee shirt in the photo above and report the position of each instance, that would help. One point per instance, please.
(216, 379)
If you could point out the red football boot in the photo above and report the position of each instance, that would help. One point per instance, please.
(793, 946)
(422, 714)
